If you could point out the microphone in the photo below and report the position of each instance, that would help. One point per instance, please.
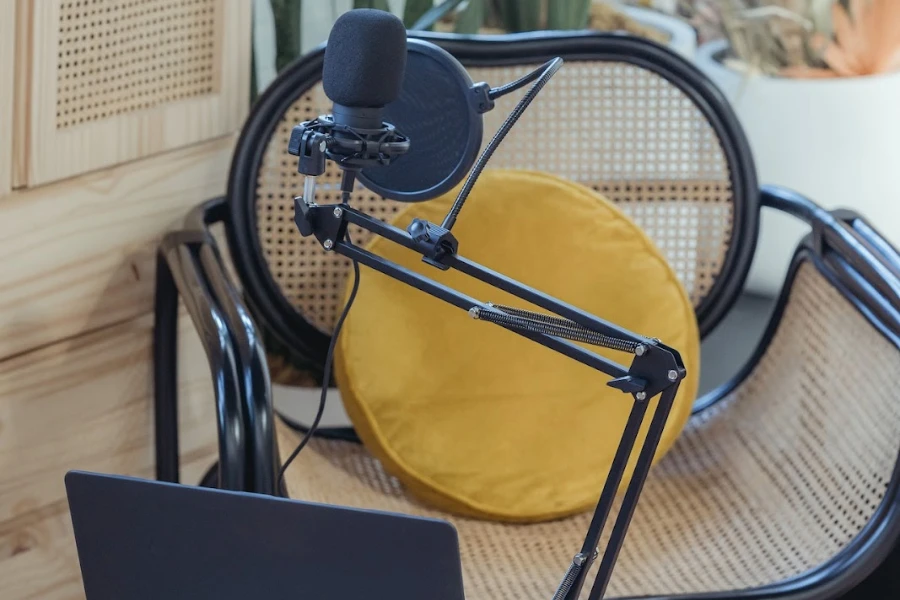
(365, 60)
(363, 70)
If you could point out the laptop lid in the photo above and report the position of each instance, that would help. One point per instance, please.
(140, 539)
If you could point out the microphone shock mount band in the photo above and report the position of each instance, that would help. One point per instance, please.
(351, 148)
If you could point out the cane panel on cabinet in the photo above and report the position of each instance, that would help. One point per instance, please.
(114, 80)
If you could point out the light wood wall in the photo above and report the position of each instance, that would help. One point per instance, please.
(76, 292)
(83, 403)
(77, 266)
(79, 254)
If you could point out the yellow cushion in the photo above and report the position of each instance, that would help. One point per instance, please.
(477, 420)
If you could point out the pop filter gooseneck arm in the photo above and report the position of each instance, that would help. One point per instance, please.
(655, 370)
(540, 77)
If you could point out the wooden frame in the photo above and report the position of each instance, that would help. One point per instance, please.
(7, 87)
(122, 128)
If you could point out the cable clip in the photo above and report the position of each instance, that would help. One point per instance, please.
(482, 100)
(433, 241)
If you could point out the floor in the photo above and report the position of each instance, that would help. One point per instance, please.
(731, 344)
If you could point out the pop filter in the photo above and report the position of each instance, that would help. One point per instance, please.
(440, 110)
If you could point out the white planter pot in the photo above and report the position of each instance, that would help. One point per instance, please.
(835, 140)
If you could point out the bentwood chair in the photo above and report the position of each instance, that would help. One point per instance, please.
(784, 483)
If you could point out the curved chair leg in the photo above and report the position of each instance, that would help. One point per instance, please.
(190, 264)
(165, 373)
(259, 429)
(177, 267)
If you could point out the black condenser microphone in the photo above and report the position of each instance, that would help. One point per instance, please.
(363, 70)
(365, 60)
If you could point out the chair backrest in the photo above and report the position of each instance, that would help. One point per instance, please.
(624, 116)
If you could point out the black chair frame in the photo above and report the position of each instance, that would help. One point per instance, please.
(842, 245)
(281, 320)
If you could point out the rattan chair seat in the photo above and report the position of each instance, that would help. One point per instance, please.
(772, 481)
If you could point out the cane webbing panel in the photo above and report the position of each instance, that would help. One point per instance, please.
(118, 57)
(624, 131)
(771, 482)
(312, 279)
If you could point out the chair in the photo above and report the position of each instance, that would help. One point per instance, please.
(784, 483)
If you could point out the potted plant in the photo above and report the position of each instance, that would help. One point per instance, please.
(816, 86)
(515, 16)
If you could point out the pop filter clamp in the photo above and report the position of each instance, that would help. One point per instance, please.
(655, 369)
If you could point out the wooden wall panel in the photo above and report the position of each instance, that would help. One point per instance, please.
(83, 404)
(38, 559)
(77, 246)
(7, 89)
(114, 81)
(79, 255)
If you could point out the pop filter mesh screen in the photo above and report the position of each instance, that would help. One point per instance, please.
(432, 111)
(622, 130)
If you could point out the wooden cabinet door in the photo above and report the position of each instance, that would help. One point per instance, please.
(110, 81)
(7, 89)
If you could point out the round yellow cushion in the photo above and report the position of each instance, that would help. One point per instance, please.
(475, 419)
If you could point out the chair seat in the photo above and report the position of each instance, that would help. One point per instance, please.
(771, 481)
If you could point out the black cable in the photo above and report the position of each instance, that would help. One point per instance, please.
(341, 434)
(548, 70)
(499, 92)
(540, 77)
(329, 359)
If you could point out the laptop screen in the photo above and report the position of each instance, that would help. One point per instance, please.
(140, 539)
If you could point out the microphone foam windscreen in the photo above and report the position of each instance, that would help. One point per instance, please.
(365, 59)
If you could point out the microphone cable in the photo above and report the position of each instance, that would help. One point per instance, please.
(326, 378)
(540, 77)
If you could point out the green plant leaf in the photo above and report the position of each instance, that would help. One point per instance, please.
(492, 16)
(521, 15)
(568, 14)
(471, 19)
(287, 31)
(433, 15)
(414, 10)
(379, 4)
(252, 75)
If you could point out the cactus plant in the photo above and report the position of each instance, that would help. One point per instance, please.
(568, 14)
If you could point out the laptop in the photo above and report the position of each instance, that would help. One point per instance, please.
(143, 540)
